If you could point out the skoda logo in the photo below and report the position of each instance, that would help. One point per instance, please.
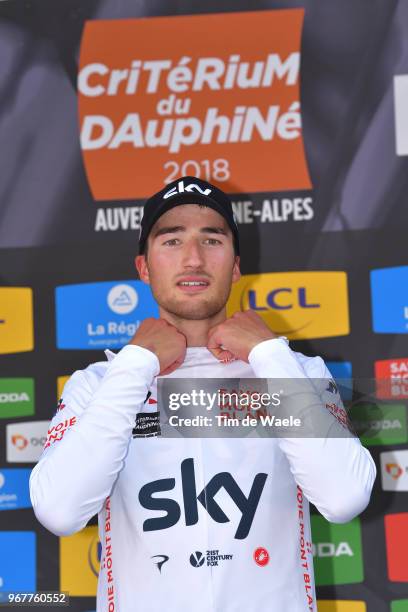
(197, 559)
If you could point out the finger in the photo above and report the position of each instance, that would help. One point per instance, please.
(221, 354)
(215, 346)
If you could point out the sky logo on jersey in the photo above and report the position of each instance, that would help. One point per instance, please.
(25, 441)
(14, 492)
(16, 319)
(150, 499)
(394, 470)
(61, 381)
(101, 315)
(396, 544)
(399, 605)
(16, 397)
(296, 304)
(342, 374)
(337, 552)
(389, 293)
(380, 424)
(392, 378)
(18, 561)
(80, 556)
(341, 605)
(401, 113)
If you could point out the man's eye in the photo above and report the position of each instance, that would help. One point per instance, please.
(171, 242)
(213, 241)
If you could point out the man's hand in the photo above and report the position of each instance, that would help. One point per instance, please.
(237, 336)
(164, 340)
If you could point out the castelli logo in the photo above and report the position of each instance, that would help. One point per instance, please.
(261, 557)
(19, 441)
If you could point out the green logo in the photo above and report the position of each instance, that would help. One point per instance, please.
(16, 397)
(337, 553)
(378, 424)
(399, 606)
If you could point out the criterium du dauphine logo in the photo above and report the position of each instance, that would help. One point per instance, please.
(219, 108)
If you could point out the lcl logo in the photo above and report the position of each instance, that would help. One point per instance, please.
(296, 304)
(283, 298)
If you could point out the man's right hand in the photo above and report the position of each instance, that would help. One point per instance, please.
(164, 340)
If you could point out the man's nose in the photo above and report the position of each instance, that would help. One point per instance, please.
(193, 254)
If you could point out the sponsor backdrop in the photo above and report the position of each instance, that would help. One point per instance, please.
(298, 109)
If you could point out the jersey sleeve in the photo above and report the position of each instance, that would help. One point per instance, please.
(335, 472)
(88, 439)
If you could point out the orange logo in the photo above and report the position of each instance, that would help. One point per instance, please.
(394, 470)
(192, 95)
(19, 441)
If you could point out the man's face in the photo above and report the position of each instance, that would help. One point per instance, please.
(190, 262)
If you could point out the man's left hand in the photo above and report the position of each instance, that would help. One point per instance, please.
(236, 337)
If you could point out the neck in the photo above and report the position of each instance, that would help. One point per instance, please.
(196, 331)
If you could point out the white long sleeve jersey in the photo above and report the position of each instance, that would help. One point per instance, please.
(191, 523)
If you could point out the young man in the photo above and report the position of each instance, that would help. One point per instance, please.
(194, 523)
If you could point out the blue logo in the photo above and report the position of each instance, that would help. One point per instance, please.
(101, 315)
(389, 292)
(18, 561)
(14, 491)
(341, 372)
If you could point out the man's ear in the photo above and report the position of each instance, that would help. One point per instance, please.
(236, 273)
(141, 267)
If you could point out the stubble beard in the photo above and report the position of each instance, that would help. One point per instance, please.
(198, 311)
(194, 307)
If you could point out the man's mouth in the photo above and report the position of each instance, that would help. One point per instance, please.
(193, 285)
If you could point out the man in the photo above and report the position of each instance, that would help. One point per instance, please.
(194, 523)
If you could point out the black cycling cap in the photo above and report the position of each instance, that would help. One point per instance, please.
(186, 190)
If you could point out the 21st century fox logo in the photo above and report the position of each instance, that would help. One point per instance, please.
(199, 108)
(212, 558)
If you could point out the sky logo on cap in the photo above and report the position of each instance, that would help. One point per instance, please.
(101, 315)
(181, 188)
(295, 304)
(337, 552)
(14, 491)
(389, 293)
(16, 397)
